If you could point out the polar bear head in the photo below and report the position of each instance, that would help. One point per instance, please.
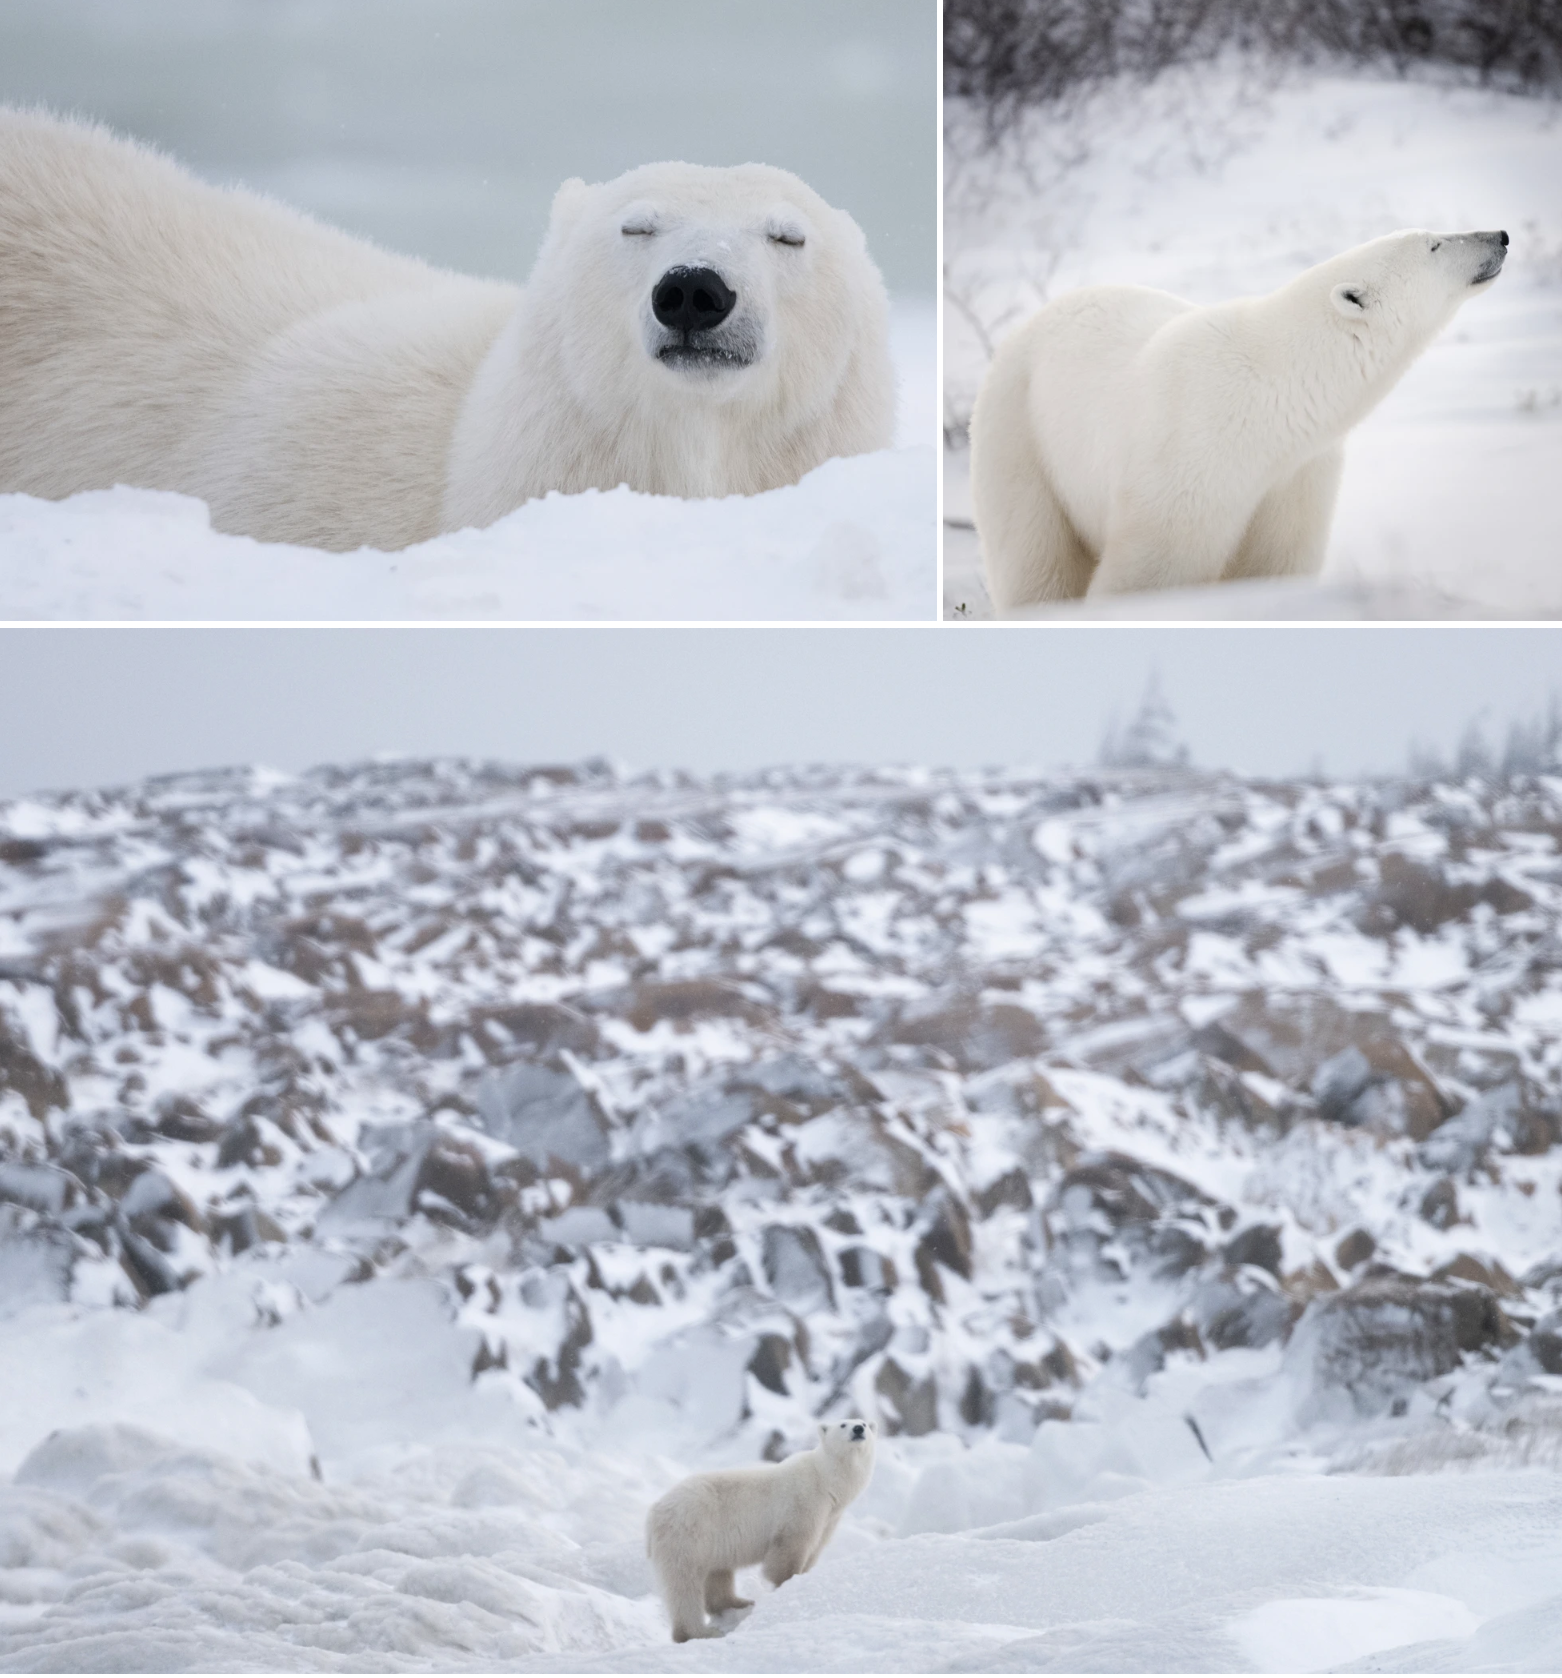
(848, 1447)
(1393, 295)
(738, 294)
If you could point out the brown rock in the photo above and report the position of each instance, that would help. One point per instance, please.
(1127, 1191)
(1486, 1273)
(1011, 1189)
(977, 1402)
(183, 1120)
(1258, 1244)
(685, 1000)
(1389, 1332)
(945, 1242)
(1440, 1204)
(772, 1358)
(1308, 1284)
(976, 1035)
(905, 1405)
(862, 1267)
(1297, 1035)
(456, 1171)
(40, 1086)
(1353, 1249)
(1421, 896)
(535, 1030)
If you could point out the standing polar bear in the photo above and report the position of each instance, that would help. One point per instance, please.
(781, 1515)
(1124, 439)
(686, 330)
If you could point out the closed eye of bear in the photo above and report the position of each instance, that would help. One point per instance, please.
(686, 330)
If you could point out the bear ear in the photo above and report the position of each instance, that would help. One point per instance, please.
(1350, 300)
(568, 202)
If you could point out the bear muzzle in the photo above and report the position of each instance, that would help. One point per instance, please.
(692, 299)
(693, 306)
(1494, 255)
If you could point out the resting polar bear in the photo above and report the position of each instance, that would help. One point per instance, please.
(1124, 439)
(686, 330)
(780, 1514)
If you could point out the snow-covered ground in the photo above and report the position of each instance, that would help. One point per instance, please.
(855, 539)
(1218, 182)
(408, 1170)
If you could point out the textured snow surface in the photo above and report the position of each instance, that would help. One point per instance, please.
(409, 1170)
(131, 1552)
(1218, 183)
(855, 539)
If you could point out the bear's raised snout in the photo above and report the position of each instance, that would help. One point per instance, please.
(859, 1431)
(692, 299)
(1496, 251)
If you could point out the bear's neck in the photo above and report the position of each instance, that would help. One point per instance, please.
(1323, 383)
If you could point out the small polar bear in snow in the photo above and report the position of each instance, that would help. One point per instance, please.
(1124, 439)
(779, 1515)
(686, 330)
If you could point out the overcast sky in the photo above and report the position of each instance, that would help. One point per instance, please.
(443, 127)
(82, 707)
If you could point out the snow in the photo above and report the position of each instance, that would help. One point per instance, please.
(354, 1321)
(133, 1553)
(854, 540)
(1216, 182)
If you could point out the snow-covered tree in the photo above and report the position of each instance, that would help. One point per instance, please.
(1151, 740)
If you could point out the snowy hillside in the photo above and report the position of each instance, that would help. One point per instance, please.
(856, 539)
(1217, 182)
(408, 1170)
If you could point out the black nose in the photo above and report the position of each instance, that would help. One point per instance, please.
(692, 299)
(1504, 238)
(857, 1432)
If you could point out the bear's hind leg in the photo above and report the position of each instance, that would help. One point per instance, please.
(1289, 533)
(686, 1609)
(721, 1592)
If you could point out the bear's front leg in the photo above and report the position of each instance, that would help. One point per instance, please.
(1289, 533)
(721, 1593)
(789, 1555)
(1143, 552)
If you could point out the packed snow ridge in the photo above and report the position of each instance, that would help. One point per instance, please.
(854, 539)
(409, 1170)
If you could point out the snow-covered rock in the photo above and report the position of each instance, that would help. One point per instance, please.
(482, 1138)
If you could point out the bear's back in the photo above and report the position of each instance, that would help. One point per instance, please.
(129, 289)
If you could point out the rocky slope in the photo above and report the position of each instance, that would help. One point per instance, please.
(947, 1098)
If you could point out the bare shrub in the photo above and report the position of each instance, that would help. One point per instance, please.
(1006, 54)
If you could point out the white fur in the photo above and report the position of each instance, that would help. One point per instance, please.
(779, 1515)
(1125, 439)
(312, 388)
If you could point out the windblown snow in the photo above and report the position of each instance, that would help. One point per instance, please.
(1222, 181)
(855, 539)
(409, 1170)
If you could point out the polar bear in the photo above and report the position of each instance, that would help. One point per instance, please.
(686, 330)
(1124, 439)
(781, 1515)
